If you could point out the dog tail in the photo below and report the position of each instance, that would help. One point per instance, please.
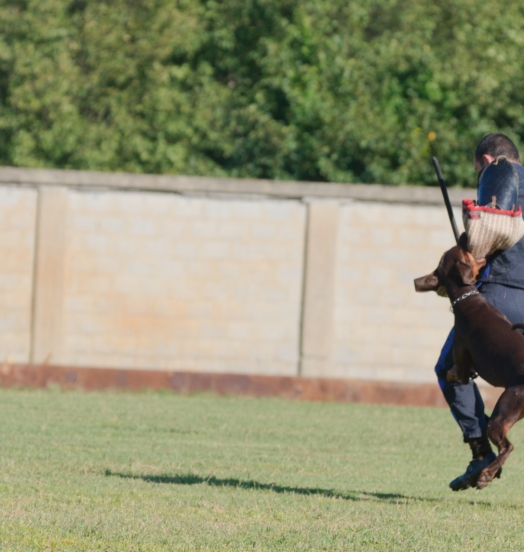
(519, 326)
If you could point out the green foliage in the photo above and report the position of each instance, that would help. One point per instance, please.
(324, 90)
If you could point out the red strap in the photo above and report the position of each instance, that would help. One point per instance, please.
(468, 205)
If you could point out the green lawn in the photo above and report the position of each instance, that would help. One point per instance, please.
(159, 471)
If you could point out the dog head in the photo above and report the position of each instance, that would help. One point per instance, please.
(457, 269)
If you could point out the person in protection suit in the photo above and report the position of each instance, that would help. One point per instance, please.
(502, 284)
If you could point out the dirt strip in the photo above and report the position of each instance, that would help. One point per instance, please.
(298, 388)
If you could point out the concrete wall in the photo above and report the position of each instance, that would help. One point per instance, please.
(383, 329)
(17, 248)
(220, 275)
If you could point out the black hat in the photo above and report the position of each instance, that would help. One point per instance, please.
(498, 185)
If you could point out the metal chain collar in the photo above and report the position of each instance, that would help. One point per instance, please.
(462, 297)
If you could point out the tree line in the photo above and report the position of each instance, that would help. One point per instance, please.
(319, 90)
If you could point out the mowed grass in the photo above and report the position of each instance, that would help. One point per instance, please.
(160, 471)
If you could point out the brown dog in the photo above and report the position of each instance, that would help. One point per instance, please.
(484, 341)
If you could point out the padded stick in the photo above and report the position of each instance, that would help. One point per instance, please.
(445, 195)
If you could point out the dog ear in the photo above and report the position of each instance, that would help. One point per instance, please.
(466, 273)
(427, 283)
(463, 241)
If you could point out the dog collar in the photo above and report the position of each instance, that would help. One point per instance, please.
(462, 297)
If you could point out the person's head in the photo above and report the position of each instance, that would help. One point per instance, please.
(493, 146)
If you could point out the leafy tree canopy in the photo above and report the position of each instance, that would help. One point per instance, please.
(325, 90)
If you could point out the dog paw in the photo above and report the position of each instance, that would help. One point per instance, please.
(484, 479)
(452, 374)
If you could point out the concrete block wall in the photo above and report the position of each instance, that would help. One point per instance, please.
(220, 275)
(18, 213)
(382, 327)
(155, 280)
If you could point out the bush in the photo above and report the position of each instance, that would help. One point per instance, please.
(320, 90)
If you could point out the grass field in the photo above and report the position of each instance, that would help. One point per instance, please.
(158, 471)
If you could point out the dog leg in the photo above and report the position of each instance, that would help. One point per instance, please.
(463, 362)
(508, 410)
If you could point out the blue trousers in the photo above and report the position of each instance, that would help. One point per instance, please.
(465, 401)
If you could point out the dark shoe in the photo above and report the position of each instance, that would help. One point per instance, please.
(470, 478)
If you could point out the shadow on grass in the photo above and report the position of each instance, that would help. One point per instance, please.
(191, 479)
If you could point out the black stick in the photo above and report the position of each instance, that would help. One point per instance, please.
(444, 189)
